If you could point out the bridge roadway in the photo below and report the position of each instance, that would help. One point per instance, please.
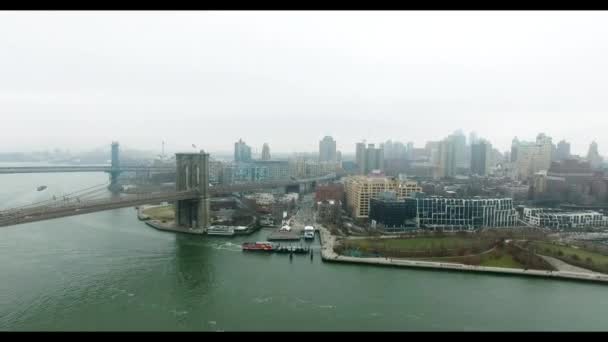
(73, 207)
(100, 168)
(46, 212)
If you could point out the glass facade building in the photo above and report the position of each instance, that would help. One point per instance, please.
(465, 213)
(432, 212)
(560, 219)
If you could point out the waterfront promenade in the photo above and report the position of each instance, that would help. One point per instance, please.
(328, 254)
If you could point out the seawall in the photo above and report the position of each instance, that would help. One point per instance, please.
(328, 254)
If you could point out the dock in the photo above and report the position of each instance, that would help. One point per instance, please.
(278, 235)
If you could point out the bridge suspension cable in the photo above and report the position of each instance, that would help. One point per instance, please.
(98, 187)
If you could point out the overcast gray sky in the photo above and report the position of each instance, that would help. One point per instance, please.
(81, 79)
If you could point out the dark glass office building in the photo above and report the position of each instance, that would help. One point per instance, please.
(393, 213)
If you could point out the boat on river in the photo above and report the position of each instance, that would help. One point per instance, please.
(263, 246)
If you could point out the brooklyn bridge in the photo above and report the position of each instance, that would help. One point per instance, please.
(191, 195)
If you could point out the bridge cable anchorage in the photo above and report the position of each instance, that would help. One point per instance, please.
(57, 198)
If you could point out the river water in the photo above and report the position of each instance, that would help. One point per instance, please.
(109, 271)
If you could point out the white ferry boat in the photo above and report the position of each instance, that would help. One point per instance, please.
(220, 230)
(309, 232)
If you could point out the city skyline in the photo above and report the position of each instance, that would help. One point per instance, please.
(403, 76)
(303, 170)
(258, 153)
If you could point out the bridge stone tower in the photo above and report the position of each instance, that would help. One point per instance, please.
(192, 173)
(115, 168)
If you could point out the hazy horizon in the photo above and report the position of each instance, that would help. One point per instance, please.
(79, 80)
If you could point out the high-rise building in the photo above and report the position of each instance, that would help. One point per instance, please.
(360, 155)
(480, 157)
(242, 152)
(399, 151)
(514, 146)
(460, 143)
(432, 151)
(593, 156)
(563, 150)
(495, 158)
(370, 158)
(553, 152)
(410, 151)
(360, 189)
(388, 148)
(532, 157)
(265, 152)
(327, 149)
(472, 138)
(446, 161)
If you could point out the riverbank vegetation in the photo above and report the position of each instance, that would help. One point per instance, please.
(487, 248)
(421, 245)
(574, 255)
(502, 255)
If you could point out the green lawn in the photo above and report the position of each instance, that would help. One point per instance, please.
(504, 260)
(165, 213)
(415, 244)
(491, 259)
(599, 261)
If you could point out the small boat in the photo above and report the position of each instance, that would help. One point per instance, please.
(42, 187)
(258, 246)
(309, 232)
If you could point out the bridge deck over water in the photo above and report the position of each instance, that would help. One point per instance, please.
(95, 168)
(61, 208)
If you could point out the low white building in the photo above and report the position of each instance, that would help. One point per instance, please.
(560, 219)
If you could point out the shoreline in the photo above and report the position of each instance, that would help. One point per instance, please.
(328, 255)
(156, 224)
(160, 226)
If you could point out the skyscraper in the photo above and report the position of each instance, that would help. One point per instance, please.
(265, 152)
(514, 147)
(360, 155)
(369, 158)
(593, 156)
(410, 151)
(563, 150)
(446, 161)
(327, 149)
(480, 157)
(531, 157)
(472, 138)
(242, 152)
(459, 141)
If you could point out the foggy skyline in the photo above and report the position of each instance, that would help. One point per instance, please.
(79, 80)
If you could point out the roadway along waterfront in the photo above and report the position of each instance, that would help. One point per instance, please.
(109, 271)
